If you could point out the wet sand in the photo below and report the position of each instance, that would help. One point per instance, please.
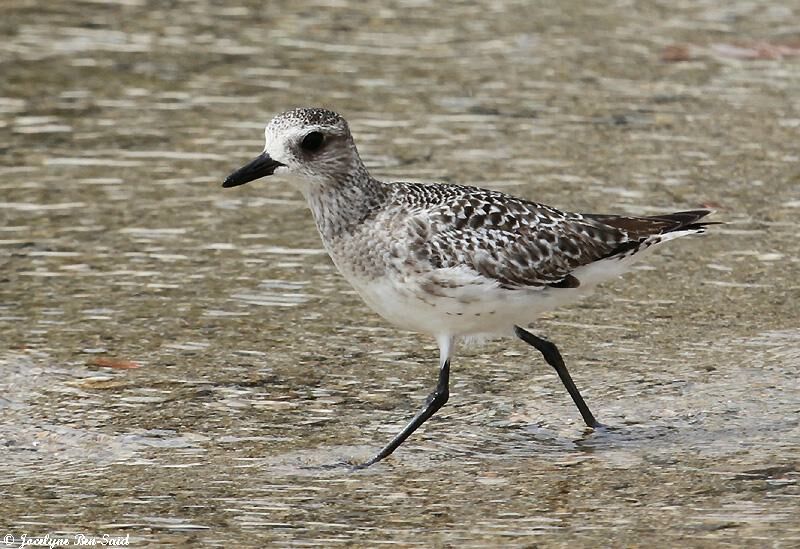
(258, 367)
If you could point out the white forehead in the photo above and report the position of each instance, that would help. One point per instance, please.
(284, 136)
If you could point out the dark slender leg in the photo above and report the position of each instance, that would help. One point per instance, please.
(553, 358)
(434, 401)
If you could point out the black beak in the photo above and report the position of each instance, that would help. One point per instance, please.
(260, 166)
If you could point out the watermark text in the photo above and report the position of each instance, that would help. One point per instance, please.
(20, 541)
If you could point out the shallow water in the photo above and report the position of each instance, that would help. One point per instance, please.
(260, 370)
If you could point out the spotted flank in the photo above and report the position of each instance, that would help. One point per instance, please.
(451, 261)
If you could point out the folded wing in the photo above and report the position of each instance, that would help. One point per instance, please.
(522, 244)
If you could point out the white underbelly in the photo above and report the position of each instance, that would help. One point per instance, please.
(481, 309)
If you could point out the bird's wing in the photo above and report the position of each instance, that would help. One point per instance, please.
(523, 244)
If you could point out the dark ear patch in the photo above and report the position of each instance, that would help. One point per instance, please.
(568, 281)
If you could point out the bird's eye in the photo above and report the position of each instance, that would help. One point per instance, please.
(312, 142)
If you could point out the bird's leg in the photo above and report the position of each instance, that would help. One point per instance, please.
(553, 357)
(435, 400)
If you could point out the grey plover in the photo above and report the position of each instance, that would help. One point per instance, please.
(451, 261)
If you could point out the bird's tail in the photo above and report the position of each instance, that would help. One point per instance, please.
(644, 227)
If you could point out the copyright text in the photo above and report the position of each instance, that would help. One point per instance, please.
(73, 540)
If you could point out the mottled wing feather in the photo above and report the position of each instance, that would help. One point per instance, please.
(513, 241)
